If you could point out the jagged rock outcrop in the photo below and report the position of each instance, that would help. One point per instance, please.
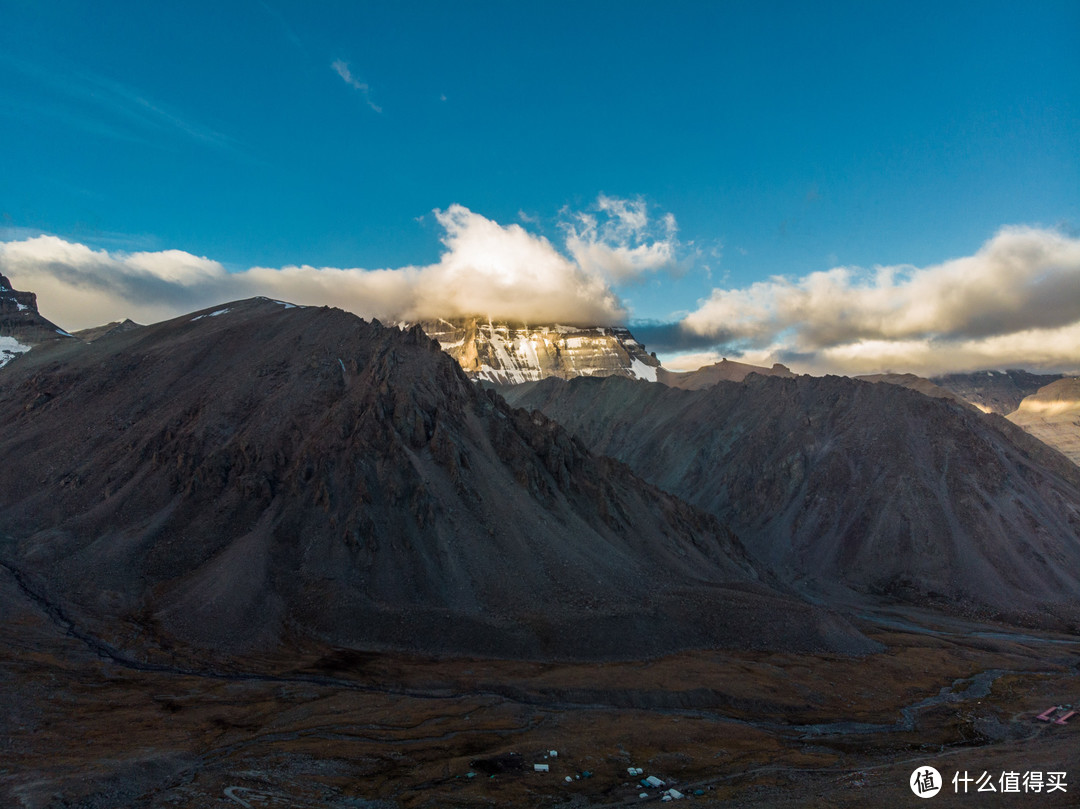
(21, 325)
(891, 493)
(257, 477)
(510, 353)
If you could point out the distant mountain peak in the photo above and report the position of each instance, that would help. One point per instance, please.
(724, 371)
(507, 353)
(106, 330)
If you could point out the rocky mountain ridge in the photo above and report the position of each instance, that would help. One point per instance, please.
(256, 476)
(829, 480)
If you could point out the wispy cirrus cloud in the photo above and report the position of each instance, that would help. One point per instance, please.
(342, 69)
(104, 107)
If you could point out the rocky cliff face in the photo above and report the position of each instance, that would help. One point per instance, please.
(21, 325)
(259, 476)
(891, 493)
(508, 353)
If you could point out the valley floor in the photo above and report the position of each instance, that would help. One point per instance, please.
(79, 729)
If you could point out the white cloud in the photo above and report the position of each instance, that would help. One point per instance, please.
(616, 240)
(505, 269)
(342, 69)
(78, 287)
(1016, 301)
(486, 269)
(1051, 348)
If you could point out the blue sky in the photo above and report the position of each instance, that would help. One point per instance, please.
(779, 138)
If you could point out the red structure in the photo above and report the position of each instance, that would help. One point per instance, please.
(1045, 715)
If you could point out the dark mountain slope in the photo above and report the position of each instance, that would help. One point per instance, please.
(259, 475)
(838, 481)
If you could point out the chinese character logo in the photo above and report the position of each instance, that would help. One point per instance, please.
(925, 782)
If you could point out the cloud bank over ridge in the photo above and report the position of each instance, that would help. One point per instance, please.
(486, 268)
(1016, 301)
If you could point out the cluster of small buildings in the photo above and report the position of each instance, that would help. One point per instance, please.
(650, 782)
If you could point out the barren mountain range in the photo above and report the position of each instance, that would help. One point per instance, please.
(261, 475)
(837, 481)
(268, 555)
(503, 353)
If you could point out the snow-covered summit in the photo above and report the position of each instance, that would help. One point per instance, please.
(509, 353)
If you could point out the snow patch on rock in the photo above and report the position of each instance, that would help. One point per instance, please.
(212, 314)
(10, 348)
